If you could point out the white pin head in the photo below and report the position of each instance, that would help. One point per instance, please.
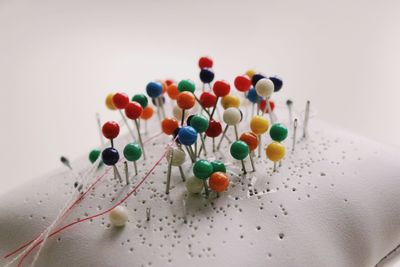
(265, 87)
(194, 185)
(178, 156)
(232, 116)
(177, 113)
(118, 216)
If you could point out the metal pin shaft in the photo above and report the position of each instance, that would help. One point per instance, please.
(116, 174)
(306, 118)
(222, 137)
(126, 172)
(294, 134)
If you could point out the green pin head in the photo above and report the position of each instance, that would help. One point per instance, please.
(202, 169)
(239, 150)
(218, 166)
(199, 123)
(186, 85)
(94, 155)
(141, 99)
(132, 152)
(278, 132)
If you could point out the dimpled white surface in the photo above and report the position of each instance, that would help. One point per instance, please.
(334, 202)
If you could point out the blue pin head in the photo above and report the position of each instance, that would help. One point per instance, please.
(187, 135)
(154, 89)
(252, 96)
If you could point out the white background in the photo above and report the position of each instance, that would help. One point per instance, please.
(58, 60)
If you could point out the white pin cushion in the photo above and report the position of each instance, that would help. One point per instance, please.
(333, 202)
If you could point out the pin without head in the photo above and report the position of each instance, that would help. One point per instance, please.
(289, 104)
(306, 118)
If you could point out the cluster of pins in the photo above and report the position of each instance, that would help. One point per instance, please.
(196, 118)
(137, 110)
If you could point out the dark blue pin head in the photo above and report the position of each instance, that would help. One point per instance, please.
(189, 119)
(206, 75)
(110, 156)
(176, 133)
(278, 83)
(256, 77)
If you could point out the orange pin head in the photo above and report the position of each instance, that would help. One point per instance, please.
(250, 139)
(172, 91)
(185, 100)
(218, 181)
(147, 113)
(169, 125)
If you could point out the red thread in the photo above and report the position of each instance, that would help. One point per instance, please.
(80, 198)
(66, 212)
(95, 215)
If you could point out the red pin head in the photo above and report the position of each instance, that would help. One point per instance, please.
(169, 82)
(263, 105)
(110, 129)
(205, 62)
(133, 110)
(185, 100)
(214, 129)
(120, 100)
(208, 99)
(242, 83)
(221, 88)
(169, 125)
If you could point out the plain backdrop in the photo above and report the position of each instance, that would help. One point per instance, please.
(59, 59)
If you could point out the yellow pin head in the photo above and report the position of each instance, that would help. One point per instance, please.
(259, 125)
(275, 151)
(230, 101)
(109, 101)
(250, 73)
